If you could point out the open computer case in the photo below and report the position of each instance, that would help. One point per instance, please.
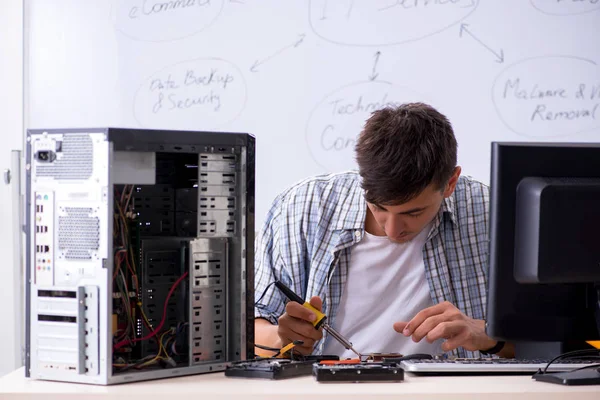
(139, 253)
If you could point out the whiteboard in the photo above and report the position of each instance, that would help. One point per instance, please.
(303, 76)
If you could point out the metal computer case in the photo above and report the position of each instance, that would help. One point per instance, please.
(71, 178)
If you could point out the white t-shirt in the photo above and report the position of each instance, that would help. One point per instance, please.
(385, 284)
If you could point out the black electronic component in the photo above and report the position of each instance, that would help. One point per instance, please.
(543, 293)
(380, 356)
(155, 209)
(163, 261)
(275, 368)
(186, 212)
(359, 372)
(587, 376)
(164, 221)
(45, 156)
(398, 359)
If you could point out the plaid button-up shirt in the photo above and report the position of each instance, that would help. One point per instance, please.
(308, 233)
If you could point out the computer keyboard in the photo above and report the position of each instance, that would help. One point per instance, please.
(490, 366)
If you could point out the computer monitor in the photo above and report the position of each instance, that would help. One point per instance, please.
(544, 246)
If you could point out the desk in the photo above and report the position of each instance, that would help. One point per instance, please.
(216, 386)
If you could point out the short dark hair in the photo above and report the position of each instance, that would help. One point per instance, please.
(402, 150)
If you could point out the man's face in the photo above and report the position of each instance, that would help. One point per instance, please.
(401, 223)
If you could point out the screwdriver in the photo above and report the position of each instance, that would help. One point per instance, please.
(320, 321)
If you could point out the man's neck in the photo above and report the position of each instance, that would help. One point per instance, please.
(371, 225)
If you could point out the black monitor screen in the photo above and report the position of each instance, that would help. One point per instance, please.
(543, 301)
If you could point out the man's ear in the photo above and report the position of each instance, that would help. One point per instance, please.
(451, 185)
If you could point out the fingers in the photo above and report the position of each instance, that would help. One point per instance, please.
(297, 310)
(427, 326)
(466, 333)
(297, 329)
(422, 315)
(296, 324)
(305, 351)
(445, 321)
(399, 326)
(288, 336)
(316, 302)
(447, 330)
(454, 343)
(457, 335)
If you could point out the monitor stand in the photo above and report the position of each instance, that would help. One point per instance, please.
(589, 376)
(586, 376)
(546, 350)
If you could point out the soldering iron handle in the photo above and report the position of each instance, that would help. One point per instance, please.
(288, 292)
(320, 318)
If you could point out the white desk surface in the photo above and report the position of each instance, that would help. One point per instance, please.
(217, 386)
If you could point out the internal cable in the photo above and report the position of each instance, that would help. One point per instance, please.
(257, 302)
(273, 349)
(162, 321)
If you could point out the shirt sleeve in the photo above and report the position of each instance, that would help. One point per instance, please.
(269, 267)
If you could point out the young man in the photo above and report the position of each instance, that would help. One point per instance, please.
(395, 255)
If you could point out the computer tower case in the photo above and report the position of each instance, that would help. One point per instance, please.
(139, 253)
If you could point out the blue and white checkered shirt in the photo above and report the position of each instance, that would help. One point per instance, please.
(310, 228)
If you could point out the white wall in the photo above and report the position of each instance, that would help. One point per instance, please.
(304, 75)
(11, 136)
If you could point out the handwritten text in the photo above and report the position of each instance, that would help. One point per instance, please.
(148, 8)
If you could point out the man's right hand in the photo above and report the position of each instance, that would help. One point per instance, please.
(296, 324)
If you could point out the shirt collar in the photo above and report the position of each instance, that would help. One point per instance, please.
(352, 210)
(449, 208)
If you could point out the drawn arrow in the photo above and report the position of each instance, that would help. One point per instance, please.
(324, 14)
(278, 52)
(374, 74)
(350, 9)
(324, 10)
(499, 56)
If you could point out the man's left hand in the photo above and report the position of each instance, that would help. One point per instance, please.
(445, 321)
